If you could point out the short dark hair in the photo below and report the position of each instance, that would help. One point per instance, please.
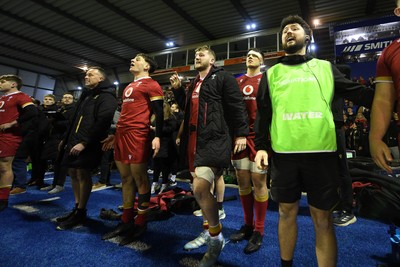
(12, 78)
(99, 69)
(291, 19)
(257, 50)
(151, 61)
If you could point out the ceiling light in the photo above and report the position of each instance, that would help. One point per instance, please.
(116, 83)
(79, 88)
(316, 22)
(170, 44)
(251, 26)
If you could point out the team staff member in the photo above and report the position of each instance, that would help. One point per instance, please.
(89, 126)
(294, 109)
(247, 173)
(15, 109)
(386, 93)
(140, 99)
(214, 108)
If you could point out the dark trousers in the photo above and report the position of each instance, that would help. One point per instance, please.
(105, 166)
(19, 170)
(346, 190)
(161, 165)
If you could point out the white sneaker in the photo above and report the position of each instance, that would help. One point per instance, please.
(56, 189)
(198, 241)
(172, 180)
(163, 187)
(222, 214)
(198, 213)
(154, 186)
(46, 188)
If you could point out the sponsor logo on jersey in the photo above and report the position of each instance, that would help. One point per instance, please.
(302, 115)
(248, 90)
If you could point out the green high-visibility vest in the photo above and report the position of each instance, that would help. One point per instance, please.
(301, 96)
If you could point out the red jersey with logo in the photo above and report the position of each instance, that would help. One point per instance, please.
(388, 68)
(136, 108)
(10, 107)
(193, 124)
(249, 88)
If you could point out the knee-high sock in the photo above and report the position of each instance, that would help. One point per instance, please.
(260, 209)
(5, 193)
(247, 199)
(143, 205)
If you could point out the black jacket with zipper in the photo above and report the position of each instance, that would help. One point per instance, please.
(89, 125)
(222, 116)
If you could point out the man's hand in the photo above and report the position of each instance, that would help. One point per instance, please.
(7, 125)
(240, 144)
(77, 149)
(381, 154)
(261, 159)
(155, 145)
(108, 143)
(175, 81)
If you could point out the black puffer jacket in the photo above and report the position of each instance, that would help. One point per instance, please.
(92, 118)
(222, 115)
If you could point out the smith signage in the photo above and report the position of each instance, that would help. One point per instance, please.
(363, 47)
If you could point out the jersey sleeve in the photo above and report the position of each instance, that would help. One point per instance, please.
(383, 73)
(155, 92)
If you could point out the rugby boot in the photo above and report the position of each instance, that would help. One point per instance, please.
(245, 232)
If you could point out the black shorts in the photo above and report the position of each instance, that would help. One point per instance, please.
(313, 173)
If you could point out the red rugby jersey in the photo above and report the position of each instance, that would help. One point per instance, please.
(10, 106)
(136, 108)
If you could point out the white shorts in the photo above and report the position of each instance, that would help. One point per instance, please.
(246, 164)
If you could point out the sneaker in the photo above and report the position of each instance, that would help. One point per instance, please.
(346, 218)
(17, 191)
(47, 188)
(198, 213)
(120, 229)
(154, 187)
(163, 187)
(3, 204)
(198, 241)
(98, 185)
(245, 232)
(78, 218)
(133, 234)
(172, 180)
(221, 214)
(66, 217)
(215, 247)
(150, 171)
(56, 189)
(254, 243)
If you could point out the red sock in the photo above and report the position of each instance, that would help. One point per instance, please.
(128, 215)
(5, 193)
(141, 217)
(247, 199)
(260, 208)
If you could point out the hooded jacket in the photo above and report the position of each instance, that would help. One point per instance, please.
(222, 115)
(92, 118)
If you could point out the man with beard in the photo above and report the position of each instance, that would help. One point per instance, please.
(294, 110)
(82, 143)
(214, 109)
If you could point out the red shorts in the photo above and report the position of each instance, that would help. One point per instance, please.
(9, 144)
(132, 147)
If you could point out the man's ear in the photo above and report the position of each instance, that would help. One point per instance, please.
(397, 11)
